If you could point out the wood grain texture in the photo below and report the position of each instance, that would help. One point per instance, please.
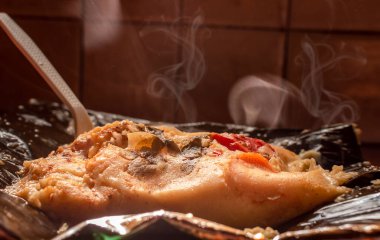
(42, 8)
(360, 15)
(252, 13)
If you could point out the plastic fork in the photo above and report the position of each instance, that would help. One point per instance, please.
(43, 66)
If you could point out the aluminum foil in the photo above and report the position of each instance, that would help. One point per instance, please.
(38, 128)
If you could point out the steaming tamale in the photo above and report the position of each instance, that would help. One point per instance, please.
(126, 167)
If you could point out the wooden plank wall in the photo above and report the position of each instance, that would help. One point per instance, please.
(108, 49)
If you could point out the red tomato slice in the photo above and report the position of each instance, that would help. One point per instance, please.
(238, 142)
(229, 143)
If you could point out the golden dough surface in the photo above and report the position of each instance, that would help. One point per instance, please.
(125, 167)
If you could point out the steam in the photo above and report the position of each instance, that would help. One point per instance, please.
(259, 101)
(104, 31)
(272, 102)
(328, 106)
(176, 80)
(103, 28)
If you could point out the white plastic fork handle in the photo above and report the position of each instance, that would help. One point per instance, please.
(43, 66)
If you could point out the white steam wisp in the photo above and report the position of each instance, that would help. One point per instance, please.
(176, 80)
(273, 102)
